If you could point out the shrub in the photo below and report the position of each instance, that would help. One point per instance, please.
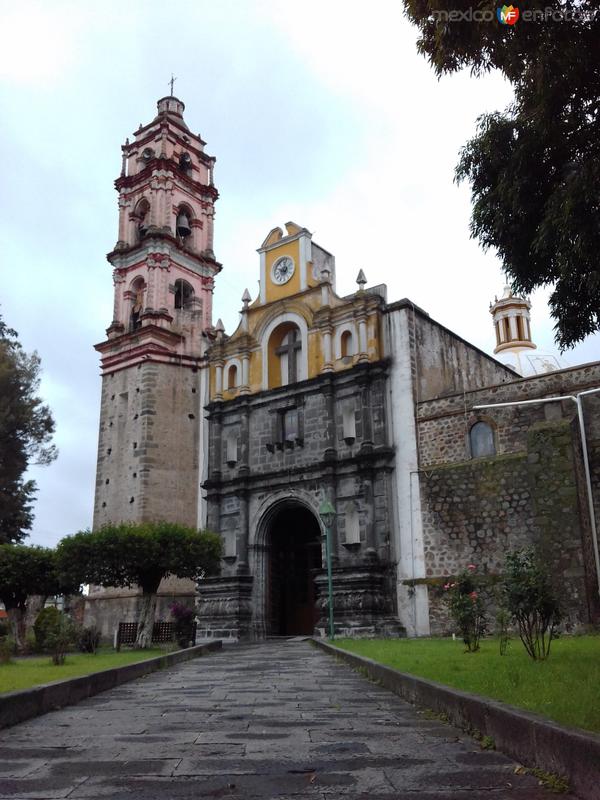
(503, 618)
(7, 649)
(532, 601)
(466, 607)
(45, 622)
(183, 619)
(4, 628)
(88, 639)
(60, 638)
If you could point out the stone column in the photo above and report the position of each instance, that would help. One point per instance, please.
(219, 380)
(123, 214)
(514, 332)
(327, 354)
(367, 423)
(242, 538)
(362, 338)
(245, 388)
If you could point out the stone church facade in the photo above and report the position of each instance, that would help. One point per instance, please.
(367, 404)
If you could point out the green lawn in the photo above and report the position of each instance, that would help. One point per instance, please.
(25, 672)
(565, 688)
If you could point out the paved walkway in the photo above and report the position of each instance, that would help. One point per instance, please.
(274, 720)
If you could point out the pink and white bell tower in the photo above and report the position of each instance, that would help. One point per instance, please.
(152, 430)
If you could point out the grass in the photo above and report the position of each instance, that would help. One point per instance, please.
(25, 672)
(563, 688)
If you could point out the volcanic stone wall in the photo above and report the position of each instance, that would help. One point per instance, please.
(531, 492)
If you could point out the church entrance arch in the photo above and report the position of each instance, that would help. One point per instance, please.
(294, 557)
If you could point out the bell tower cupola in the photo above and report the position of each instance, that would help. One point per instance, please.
(511, 322)
(163, 262)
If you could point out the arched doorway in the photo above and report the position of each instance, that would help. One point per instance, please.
(294, 538)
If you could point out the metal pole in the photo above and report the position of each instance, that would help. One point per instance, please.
(588, 482)
(329, 580)
(586, 464)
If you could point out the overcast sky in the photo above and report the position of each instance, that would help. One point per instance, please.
(318, 112)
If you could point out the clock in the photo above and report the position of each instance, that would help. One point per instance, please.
(282, 270)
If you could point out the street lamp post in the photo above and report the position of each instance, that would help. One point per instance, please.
(327, 514)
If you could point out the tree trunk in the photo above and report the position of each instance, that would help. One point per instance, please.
(146, 620)
(16, 617)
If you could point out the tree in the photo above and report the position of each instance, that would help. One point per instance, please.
(534, 169)
(141, 555)
(26, 428)
(25, 571)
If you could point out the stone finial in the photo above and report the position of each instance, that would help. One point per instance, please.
(361, 279)
(219, 328)
(246, 298)
(326, 274)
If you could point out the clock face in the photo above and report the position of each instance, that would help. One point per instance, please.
(283, 269)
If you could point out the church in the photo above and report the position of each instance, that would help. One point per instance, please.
(433, 453)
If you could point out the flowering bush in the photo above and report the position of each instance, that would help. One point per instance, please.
(532, 600)
(183, 618)
(466, 606)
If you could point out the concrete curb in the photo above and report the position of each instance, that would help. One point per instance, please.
(530, 739)
(18, 706)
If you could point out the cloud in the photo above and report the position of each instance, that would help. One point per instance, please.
(323, 113)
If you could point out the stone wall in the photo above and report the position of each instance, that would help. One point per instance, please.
(532, 492)
(149, 444)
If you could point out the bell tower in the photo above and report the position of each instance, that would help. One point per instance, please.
(151, 442)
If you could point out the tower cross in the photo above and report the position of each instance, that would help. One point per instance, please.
(291, 349)
(172, 81)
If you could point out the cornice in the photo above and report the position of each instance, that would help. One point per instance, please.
(168, 165)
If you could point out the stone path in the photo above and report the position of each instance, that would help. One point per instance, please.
(274, 720)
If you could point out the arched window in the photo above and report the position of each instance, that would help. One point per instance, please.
(137, 303)
(481, 440)
(232, 377)
(347, 344)
(184, 294)
(285, 346)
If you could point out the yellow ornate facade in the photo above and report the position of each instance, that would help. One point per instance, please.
(297, 327)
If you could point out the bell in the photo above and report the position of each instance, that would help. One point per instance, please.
(183, 224)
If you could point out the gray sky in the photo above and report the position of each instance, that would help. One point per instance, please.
(322, 113)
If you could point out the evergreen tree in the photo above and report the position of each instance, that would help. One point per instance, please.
(26, 428)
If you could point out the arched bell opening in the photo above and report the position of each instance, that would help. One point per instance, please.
(184, 295)
(137, 291)
(141, 218)
(183, 224)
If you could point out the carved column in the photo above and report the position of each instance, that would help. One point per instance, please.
(245, 387)
(362, 338)
(219, 380)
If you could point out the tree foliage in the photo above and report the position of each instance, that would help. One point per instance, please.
(534, 169)
(26, 428)
(25, 571)
(142, 554)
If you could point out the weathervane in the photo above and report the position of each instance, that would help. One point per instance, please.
(172, 81)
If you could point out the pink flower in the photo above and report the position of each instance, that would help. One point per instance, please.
(473, 595)
(471, 567)
(446, 586)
